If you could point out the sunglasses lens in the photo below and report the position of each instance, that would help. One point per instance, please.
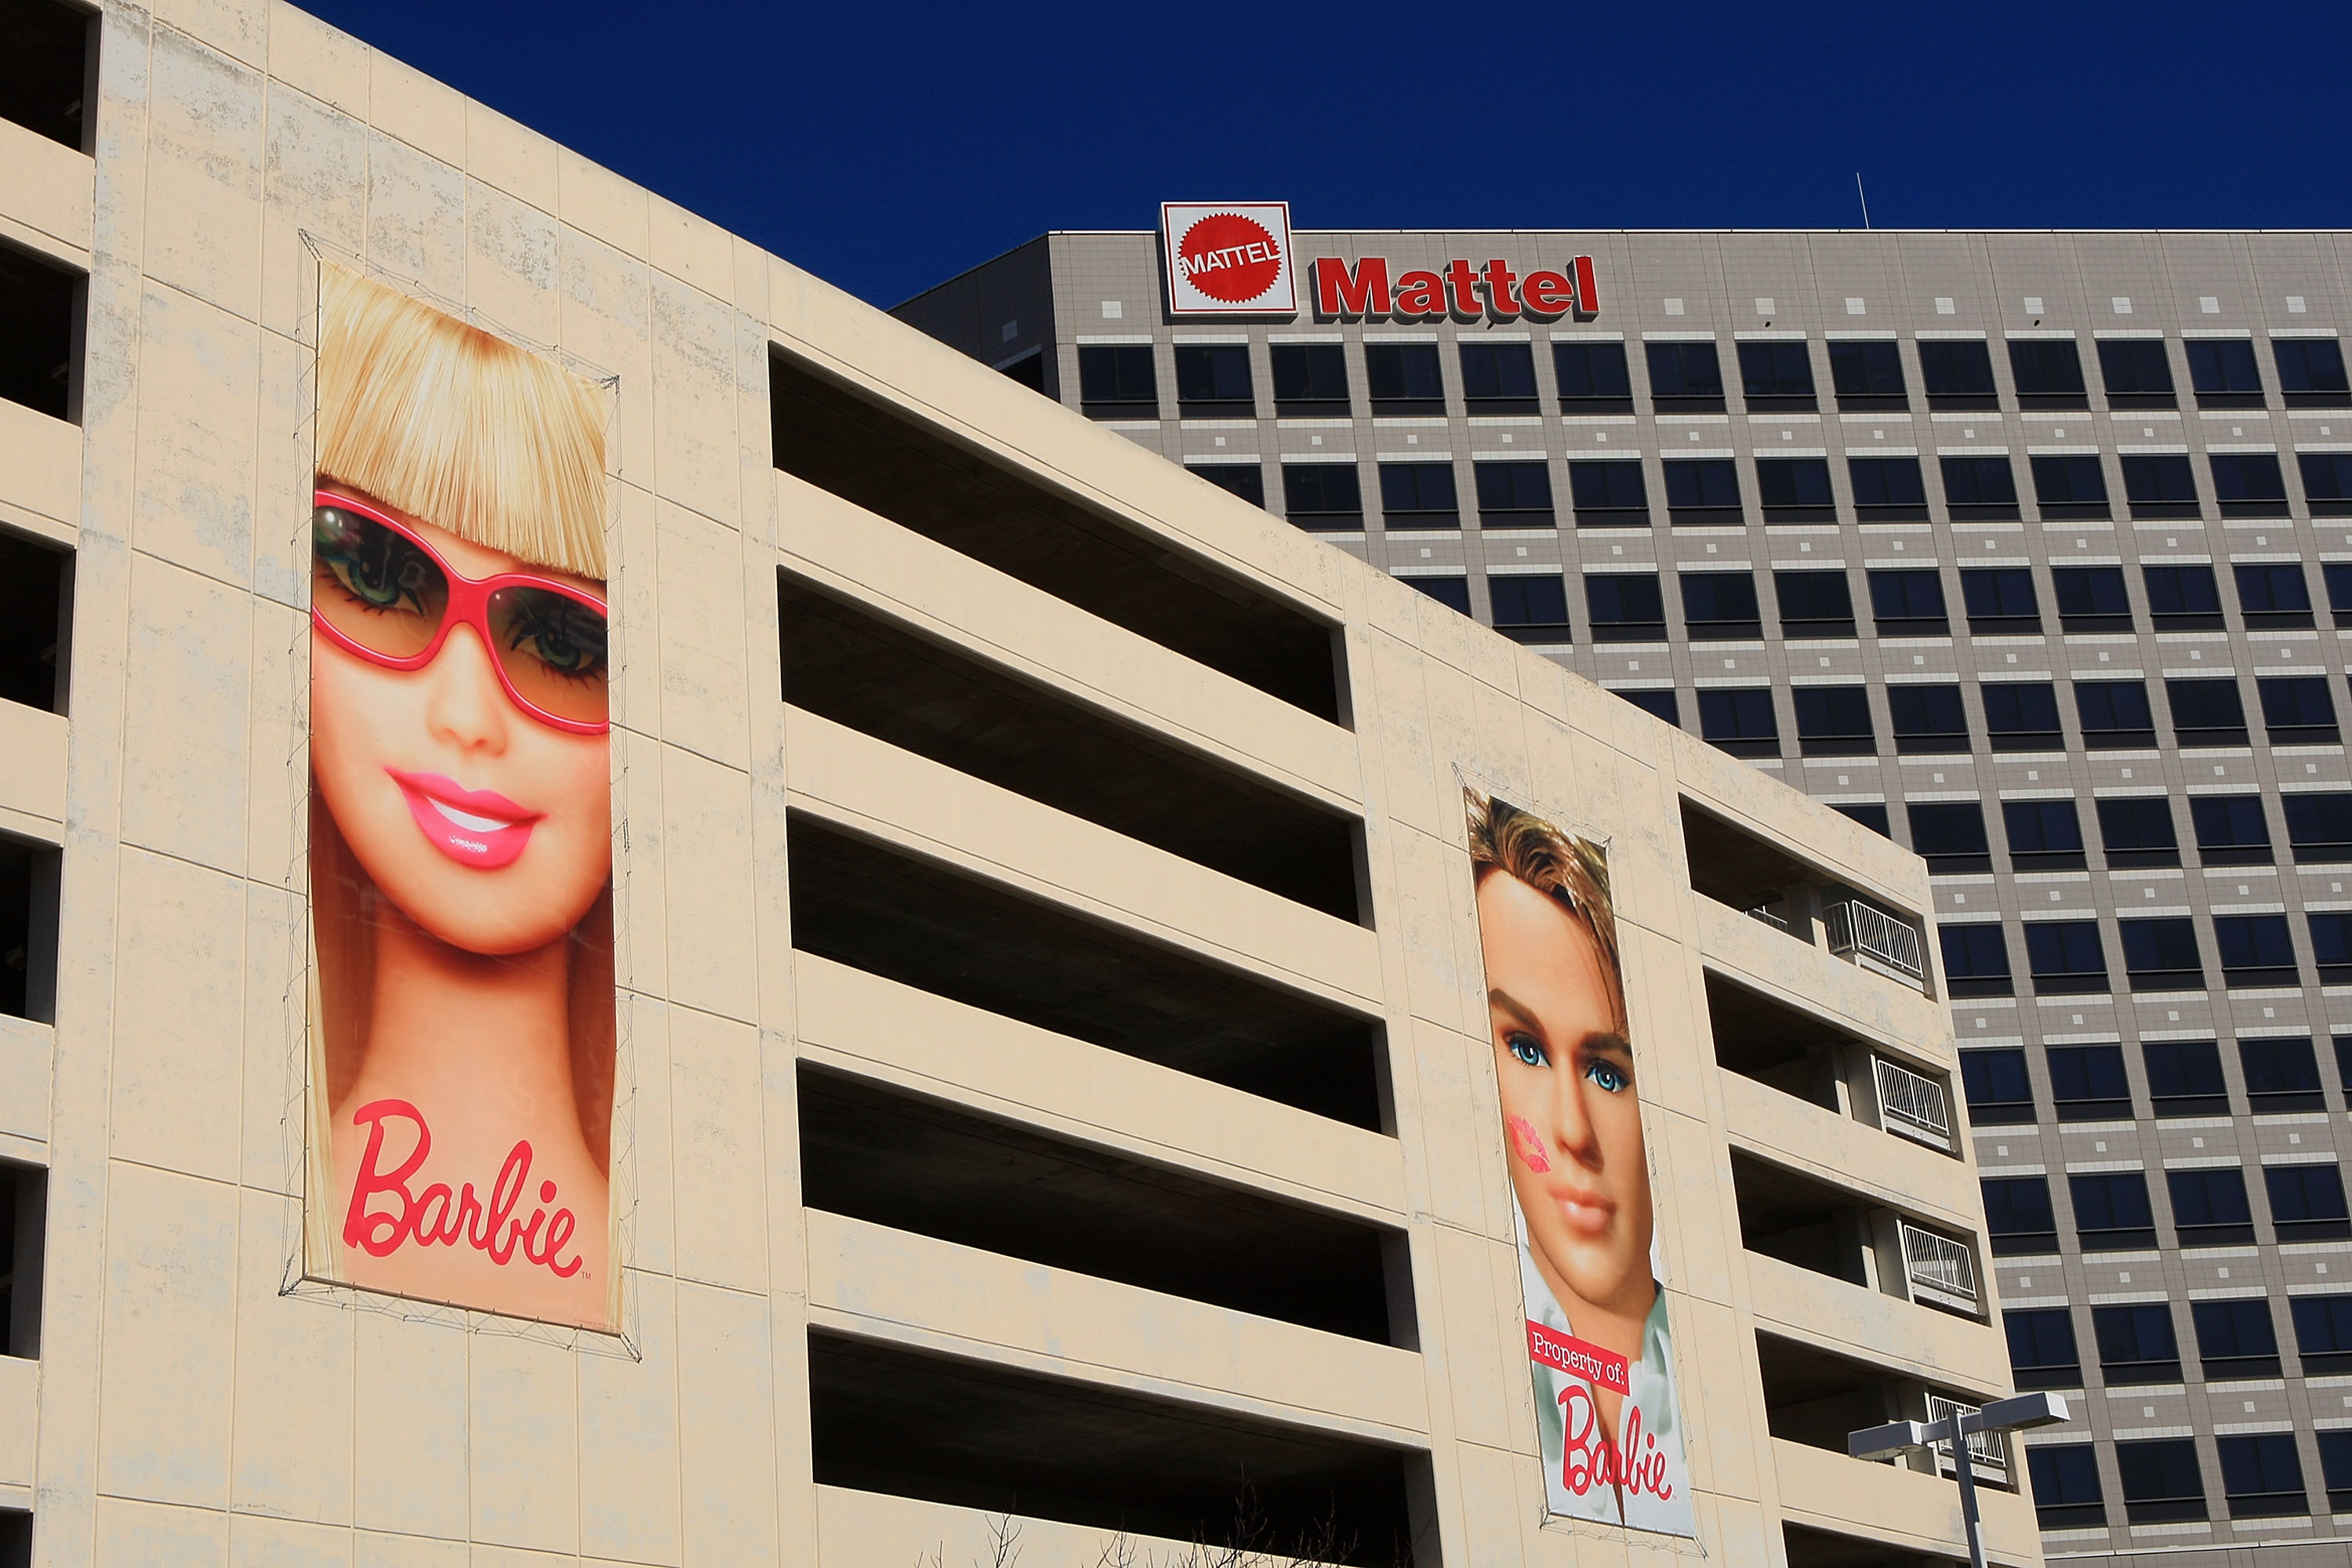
(374, 586)
(552, 647)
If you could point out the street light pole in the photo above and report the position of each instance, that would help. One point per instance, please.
(2001, 1415)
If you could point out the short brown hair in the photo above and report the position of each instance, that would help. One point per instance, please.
(1571, 870)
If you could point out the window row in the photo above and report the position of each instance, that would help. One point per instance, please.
(2181, 1079)
(2069, 958)
(2162, 1482)
(2135, 832)
(1121, 381)
(2138, 1343)
(2210, 1208)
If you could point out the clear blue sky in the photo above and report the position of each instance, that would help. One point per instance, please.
(888, 146)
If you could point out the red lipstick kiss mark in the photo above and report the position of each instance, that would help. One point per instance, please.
(1528, 1143)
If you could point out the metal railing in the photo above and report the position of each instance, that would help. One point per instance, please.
(1856, 929)
(1940, 1270)
(1768, 916)
(1912, 1105)
(1987, 1450)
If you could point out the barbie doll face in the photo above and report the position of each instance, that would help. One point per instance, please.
(1571, 1115)
(487, 826)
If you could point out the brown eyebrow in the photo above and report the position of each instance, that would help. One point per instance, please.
(1614, 1040)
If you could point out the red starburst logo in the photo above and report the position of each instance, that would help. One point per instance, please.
(1231, 258)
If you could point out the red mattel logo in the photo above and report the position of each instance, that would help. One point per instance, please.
(1354, 293)
(1229, 257)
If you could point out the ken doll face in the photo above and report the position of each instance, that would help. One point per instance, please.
(1571, 1114)
(422, 769)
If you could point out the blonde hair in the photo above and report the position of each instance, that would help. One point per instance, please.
(1570, 870)
(463, 429)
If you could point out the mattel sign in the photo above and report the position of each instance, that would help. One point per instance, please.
(1228, 259)
(1366, 291)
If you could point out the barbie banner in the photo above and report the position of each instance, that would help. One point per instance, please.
(461, 997)
(1599, 1349)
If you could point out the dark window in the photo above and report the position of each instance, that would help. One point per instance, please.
(44, 76)
(35, 609)
(2210, 1209)
(2042, 1351)
(2022, 715)
(1624, 606)
(2306, 1201)
(2017, 1217)
(1887, 490)
(2049, 373)
(2318, 827)
(1498, 378)
(2161, 485)
(2207, 711)
(2311, 373)
(2297, 710)
(2043, 834)
(2183, 598)
(1928, 718)
(40, 309)
(1118, 381)
(2323, 1333)
(1980, 490)
(2137, 831)
(1453, 592)
(1776, 376)
(2281, 1073)
(1593, 378)
(2088, 1083)
(1869, 814)
(1701, 490)
(2339, 577)
(1834, 720)
(2112, 1215)
(2327, 486)
(2000, 1092)
(1658, 702)
(2231, 829)
(2255, 950)
(2335, 1467)
(2072, 485)
(1246, 481)
(2137, 372)
(1957, 374)
(28, 914)
(2235, 1338)
(1514, 495)
(2091, 598)
(1213, 379)
(1403, 378)
(1530, 607)
(2184, 1078)
(2262, 1475)
(1908, 603)
(1324, 497)
(1028, 370)
(1418, 496)
(1609, 494)
(24, 1219)
(2113, 714)
(1685, 377)
(1310, 379)
(1976, 962)
(2273, 596)
(2065, 957)
(2065, 1480)
(1721, 605)
(1795, 490)
(1739, 721)
(2249, 484)
(2224, 374)
(2161, 955)
(2000, 600)
(1949, 835)
(1814, 603)
(1867, 376)
(2331, 947)
(2344, 1064)
(2137, 1343)
(2162, 1481)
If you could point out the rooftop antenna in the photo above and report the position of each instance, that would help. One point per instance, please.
(1865, 198)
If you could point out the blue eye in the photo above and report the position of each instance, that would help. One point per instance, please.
(1525, 1049)
(1608, 1077)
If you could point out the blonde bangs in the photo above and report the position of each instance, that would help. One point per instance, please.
(459, 427)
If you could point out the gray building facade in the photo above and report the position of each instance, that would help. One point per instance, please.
(2027, 549)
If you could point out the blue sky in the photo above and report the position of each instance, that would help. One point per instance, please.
(887, 147)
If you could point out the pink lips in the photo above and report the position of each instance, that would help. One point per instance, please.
(476, 827)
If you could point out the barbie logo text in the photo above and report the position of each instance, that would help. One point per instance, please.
(1589, 1459)
(436, 1217)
